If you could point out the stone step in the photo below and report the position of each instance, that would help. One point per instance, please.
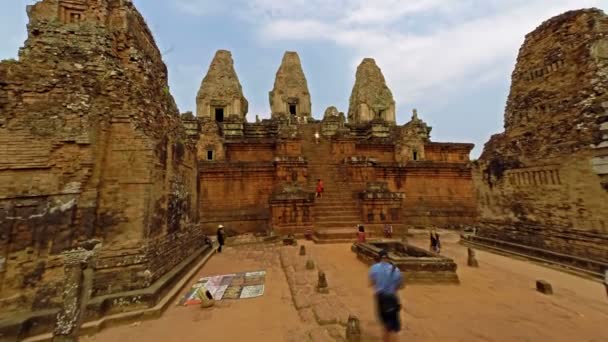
(352, 225)
(335, 212)
(335, 235)
(338, 217)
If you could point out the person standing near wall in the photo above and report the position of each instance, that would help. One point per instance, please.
(221, 237)
(606, 280)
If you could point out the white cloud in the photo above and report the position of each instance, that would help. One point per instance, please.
(424, 47)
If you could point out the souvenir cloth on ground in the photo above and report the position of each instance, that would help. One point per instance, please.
(228, 286)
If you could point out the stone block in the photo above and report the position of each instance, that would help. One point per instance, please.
(320, 335)
(301, 279)
(325, 314)
(353, 329)
(544, 287)
(336, 331)
(322, 283)
(472, 260)
(306, 315)
(301, 300)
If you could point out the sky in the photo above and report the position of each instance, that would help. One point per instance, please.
(450, 59)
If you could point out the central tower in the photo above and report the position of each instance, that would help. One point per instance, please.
(371, 98)
(290, 97)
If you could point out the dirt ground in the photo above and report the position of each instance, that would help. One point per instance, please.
(496, 302)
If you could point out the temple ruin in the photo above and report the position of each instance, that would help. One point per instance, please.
(105, 187)
(542, 184)
(376, 171)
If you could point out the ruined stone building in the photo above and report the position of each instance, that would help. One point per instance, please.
(92, 148)
(260, 177)
(542, 184)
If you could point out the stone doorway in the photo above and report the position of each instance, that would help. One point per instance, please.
(219, 114)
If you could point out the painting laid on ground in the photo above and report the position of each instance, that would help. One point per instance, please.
(228, 286)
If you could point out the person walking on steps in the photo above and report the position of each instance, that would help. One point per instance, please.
(221, 237)
(320, 188)
(386, 279)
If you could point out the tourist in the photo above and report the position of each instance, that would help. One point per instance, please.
(320, 188)
(606, 280)
(437, 244)
(386, 279)
(221, 237)
(388, 231)
(317, 137)
(361, 234)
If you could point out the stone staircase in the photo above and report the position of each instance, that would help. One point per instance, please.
(337, 213)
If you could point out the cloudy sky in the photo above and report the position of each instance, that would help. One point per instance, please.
(450, 59)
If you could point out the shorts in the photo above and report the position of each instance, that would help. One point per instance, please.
(388, 311)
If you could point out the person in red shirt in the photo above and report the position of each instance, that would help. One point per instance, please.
(361, 234)
(320, 188)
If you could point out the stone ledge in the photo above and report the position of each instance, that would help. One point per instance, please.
(537, 255)
(21, 327)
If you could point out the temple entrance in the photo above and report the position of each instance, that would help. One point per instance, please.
(219, 114)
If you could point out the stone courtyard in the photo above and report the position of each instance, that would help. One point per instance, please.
(495, 302)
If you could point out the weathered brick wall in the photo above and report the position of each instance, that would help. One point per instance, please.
(447, 152)
(236, 195)
(250, 152)
(381, 153)
(538, 173)
(436, 193)
(95, 149)
(440, 196)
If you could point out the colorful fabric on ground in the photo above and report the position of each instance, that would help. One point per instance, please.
(228, 286)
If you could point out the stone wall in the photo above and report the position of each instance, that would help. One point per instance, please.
(92, 148)
(236, 195)
(535, 183)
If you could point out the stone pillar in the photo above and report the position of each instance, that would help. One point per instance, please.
(78, 269)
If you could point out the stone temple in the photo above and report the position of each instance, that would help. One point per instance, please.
(97, 159)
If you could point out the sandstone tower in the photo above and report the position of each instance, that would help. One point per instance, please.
(543, 182)
(371, 98)
(290, 96)
(221, 94)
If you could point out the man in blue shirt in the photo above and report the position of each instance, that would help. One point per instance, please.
(386, 279)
